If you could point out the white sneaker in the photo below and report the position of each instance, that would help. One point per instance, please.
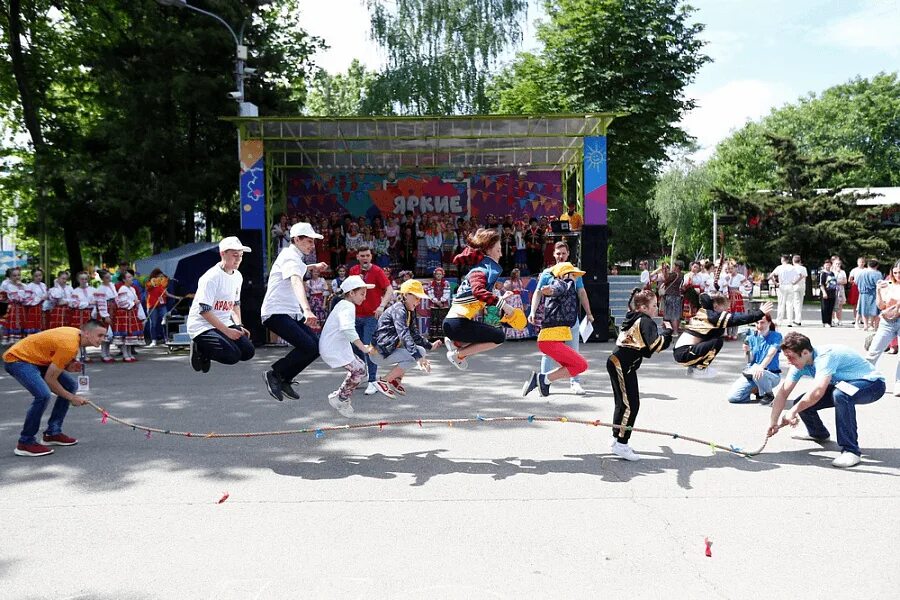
(624, 451)
(152, 344)
(371, 389)
(342, 406)
(845, 460)
(707, 373)
(577, 389)
(897, 388)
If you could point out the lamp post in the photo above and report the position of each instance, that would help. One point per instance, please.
(241, 72)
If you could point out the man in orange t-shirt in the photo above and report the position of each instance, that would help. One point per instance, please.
(39, 362)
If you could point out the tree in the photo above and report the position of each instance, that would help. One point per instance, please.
(682, 204)
(342, 94)
(801, 217)
(632, 55)
(439, 53)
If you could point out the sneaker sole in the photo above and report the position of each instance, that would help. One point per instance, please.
(46, 443)
(18, 452)
(337, 406)
(388, 393)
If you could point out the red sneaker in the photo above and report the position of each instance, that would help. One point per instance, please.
(108, 359)
(34, 449)
(130, 359)
(60, 439)
(398, 387)
(384, 388)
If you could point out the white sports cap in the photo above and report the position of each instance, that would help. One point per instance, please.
(232, 243)
(304, 230)
(355, 282)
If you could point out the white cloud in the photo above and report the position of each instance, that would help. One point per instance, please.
(722, 45)
(728, 107)
(875, 27)
(344, 25)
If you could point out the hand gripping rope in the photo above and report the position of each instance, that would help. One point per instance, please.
(319, 432)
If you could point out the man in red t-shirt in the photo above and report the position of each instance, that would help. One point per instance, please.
(370, 310)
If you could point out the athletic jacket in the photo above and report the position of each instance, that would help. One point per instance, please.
(639, 339)
(397, 327)
(708, 324)
(474, 292)
(561, 307)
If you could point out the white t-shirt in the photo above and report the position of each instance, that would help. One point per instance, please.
(786, 274)
(335, 345)
(219, 290)
(735, 282)
(645, 277)
(855, 271)
(802, 271)
(280, 298)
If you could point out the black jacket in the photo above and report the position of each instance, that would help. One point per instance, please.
(560, 308)
(640, 338)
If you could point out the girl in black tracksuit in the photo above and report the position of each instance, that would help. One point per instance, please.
(639, 339)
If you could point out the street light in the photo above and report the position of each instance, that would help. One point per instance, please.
(245, 109)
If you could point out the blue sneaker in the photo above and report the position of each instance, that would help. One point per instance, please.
(530, 385)
(544, 385)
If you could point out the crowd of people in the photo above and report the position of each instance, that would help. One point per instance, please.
(133, 311)
(420, 243)
(371, 326)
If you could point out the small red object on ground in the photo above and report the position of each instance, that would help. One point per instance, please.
(223, 498)
(708, 546)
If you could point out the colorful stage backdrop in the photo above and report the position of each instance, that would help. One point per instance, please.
(538, 193)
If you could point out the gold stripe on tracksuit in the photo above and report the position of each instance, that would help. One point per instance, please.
(621, 376)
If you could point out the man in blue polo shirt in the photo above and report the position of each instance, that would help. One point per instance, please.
(842, 378)
(561, 254)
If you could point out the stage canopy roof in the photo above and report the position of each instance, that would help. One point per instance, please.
(550, 141)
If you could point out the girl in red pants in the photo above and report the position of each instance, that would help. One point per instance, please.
(560, 314)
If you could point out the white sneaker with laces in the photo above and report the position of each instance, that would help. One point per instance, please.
(707, 373)
(845, 460)
(624, 451)
(371, 389)
(342, 406)
(577, 389)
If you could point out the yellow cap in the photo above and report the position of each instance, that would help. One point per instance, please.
(516, 319)
(414, 287)
(564, 268)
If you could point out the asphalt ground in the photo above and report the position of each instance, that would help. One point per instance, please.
(486, 510)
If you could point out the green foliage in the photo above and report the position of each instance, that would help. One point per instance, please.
(681, 202)
(801, 217)
(631, 55)
(342, 94)
(439, 53)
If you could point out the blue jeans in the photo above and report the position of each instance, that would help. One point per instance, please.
(32, 379)
(844, 412)
(741, 388)
(154, 323)
(547, 363)
(887, 331)
(365, 328)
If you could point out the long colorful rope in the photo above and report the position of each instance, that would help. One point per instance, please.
(320, 431)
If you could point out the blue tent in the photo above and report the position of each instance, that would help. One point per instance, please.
(185, 265)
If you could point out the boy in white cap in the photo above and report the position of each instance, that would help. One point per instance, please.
(339, 335)
(286, 312)
(214, 321)
(398, 340)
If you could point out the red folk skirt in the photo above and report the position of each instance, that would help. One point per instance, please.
(737, 301)
(58, 316)
(79, 316)
(127, 328)
(15, 323)
(33, 319)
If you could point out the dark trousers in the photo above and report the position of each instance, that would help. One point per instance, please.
(215, 345)
(699, 355)
(298, 335)
(468, 331)
(827, 308)
(535, 261)
(626, 395)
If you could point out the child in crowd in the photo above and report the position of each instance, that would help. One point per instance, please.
(702, 338)
(317, 293)
(33, 304)
(338, 338)
(560, 314)
(16, 293)
(128, 326)
(639, 339)
(398, 340)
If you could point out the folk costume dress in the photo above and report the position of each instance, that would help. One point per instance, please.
(128, 327)
(81, 306)
(16, 294)
(34, 307)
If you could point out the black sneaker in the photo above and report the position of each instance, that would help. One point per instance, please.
(196, 359)
(289, 391)
(544, 385)
(206, 364)
(766, 399)
(530, 385)
(273, 384)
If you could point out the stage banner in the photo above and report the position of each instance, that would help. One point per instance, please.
(595, 180)
(253, 186)
(317, 195)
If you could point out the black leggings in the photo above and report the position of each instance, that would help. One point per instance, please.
(468, 331)
(623, 376)
(215, 345)
(699, 355)
(828, 308)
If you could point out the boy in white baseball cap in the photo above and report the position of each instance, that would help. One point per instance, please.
(338, 338)
(214, 321)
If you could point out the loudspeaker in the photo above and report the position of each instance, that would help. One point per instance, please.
(594, 240)
(254, 288)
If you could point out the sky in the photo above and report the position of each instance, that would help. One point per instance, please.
(766, 52)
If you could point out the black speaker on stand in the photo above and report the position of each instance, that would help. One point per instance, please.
(254, 289)
(594, 244)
